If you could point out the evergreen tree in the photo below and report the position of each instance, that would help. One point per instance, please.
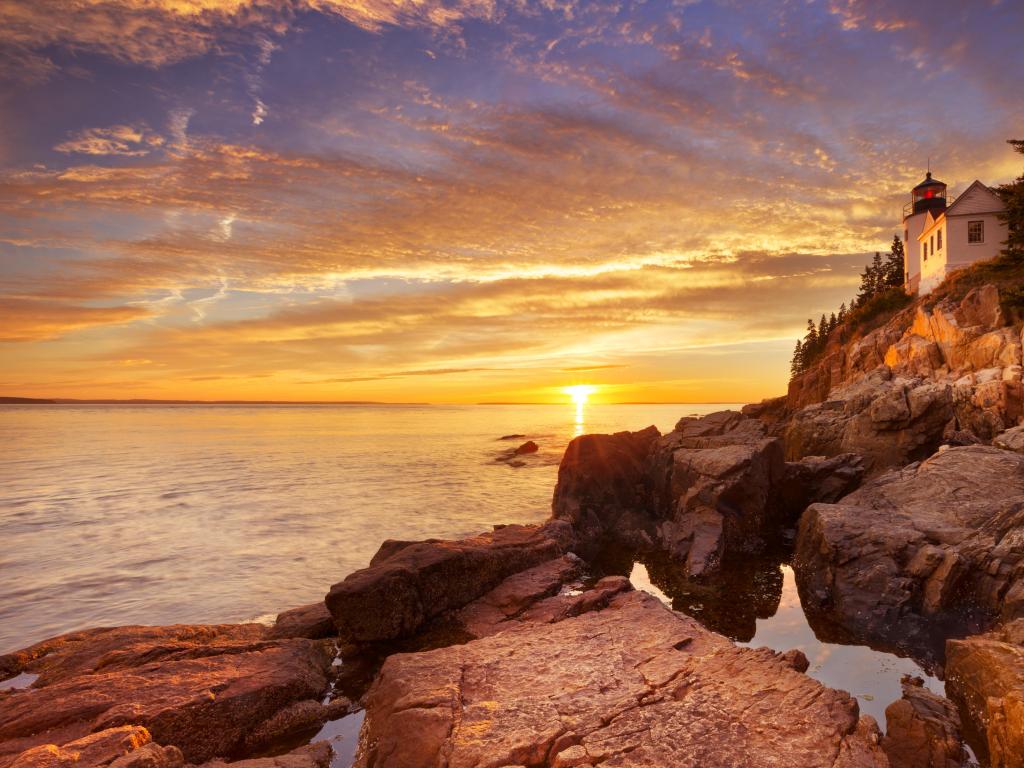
(1013, 199)
(810, 340)
(894, 264)
(822, 332)
(841, 317)
(867, 286)
(797, 365)
(833, 322)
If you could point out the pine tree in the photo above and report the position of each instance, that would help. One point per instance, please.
(894, 264)
(810, 340)
(842, 313)
(877, 274)
(822, 331)
(797, 365)
(833, 322)
(1013, 215)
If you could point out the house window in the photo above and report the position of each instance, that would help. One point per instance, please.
(924, 250)
(939, 241)
(931, 245)
(975, 231)
(906, 235)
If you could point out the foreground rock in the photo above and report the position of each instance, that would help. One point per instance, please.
(410, 583)
(985, 674)
(201, 689)
(930, 549)
(631, 685)
(922, 729)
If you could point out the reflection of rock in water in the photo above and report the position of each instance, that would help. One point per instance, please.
(730, 602)
(928, 650)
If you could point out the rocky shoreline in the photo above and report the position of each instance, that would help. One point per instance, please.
(892, 471)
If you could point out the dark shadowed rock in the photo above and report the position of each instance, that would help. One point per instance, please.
(201, 689)
(528, 447)
(633, 684)
(603, 486)
(922, 729)
(815, 479)
(933, 548)
(985, 675)
(414, 583)
(311, 621)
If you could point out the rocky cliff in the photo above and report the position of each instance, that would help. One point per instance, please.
(944, 370)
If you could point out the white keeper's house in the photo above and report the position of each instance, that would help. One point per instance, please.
(942, 234)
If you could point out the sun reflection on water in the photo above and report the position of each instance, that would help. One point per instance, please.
(579, 394)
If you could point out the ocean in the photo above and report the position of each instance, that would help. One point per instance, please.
(160, 514)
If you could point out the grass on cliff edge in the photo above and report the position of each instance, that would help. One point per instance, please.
(1005, 274)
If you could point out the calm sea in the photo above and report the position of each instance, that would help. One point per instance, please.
(163, 514)
(159, 514)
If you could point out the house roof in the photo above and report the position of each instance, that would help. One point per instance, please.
(973, 192)
(931, 222)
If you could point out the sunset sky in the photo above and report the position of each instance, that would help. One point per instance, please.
(465, 201)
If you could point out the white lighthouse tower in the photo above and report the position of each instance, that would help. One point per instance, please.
(927, 197)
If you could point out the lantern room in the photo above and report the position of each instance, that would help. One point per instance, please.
(929, 195)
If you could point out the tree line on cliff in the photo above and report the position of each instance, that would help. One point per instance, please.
(881, 283)
(881, 287)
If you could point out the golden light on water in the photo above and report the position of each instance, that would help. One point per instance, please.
(579, 394)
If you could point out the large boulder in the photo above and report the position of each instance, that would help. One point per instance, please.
(200, 689)
(603, 486)
(410, 583)
(919, 553)
(985, 674)
(633, 684)
(712, 485)
(701, 493)
(922, 729)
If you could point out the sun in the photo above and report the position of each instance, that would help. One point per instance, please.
(580, 393)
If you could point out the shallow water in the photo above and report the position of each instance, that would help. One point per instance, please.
(873, 677)
(161, 514)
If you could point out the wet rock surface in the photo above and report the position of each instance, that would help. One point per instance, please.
(921, 552)
(985, 675)
(199, 689)
(632, 684)
(922, 729)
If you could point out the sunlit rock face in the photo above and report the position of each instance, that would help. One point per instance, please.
(204, 690)
(889, 420)
(985, 675)
(921, 552)
(961, 359)
(633, 684)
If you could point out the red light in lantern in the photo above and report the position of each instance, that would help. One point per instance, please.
(929, 193)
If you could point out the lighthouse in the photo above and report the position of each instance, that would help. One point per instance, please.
(927, 197)
(942, 234)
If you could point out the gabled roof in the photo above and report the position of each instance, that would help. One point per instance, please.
(979, 194)
(931, 221)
